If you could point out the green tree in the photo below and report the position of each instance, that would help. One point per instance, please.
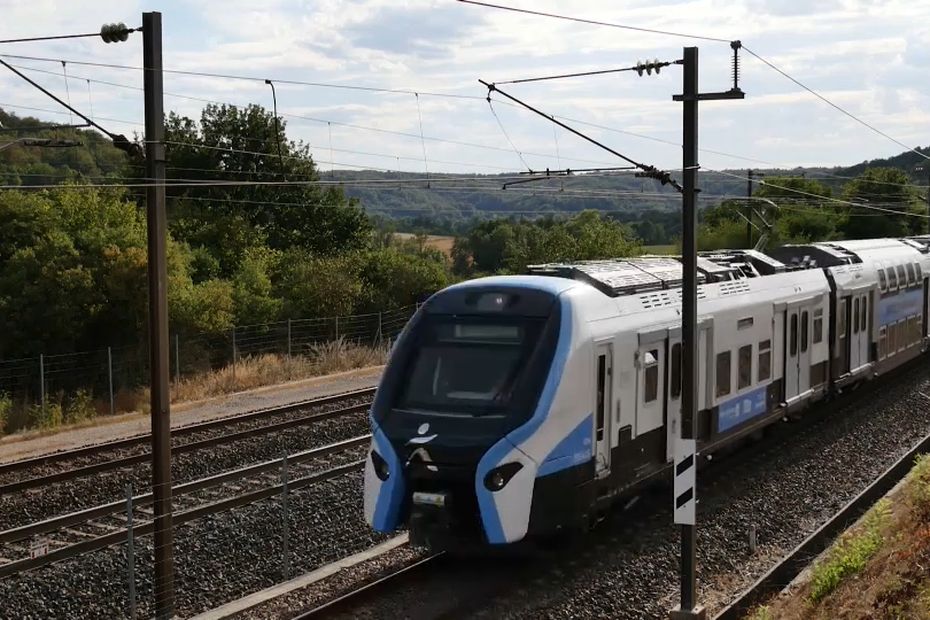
(392, 278)
(241, 144)
(314, 286)
(884, 188)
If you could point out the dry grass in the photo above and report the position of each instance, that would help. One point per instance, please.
(263, 370)
(892, 583)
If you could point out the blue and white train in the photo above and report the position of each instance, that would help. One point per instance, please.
(518, 406)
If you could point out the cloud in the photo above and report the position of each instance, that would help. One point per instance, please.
(428, 32)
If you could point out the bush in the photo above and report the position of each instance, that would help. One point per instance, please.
(80, 408)
(6, 407)
(45, 417)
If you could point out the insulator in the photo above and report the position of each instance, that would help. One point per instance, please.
(113, 33)
(640, 67)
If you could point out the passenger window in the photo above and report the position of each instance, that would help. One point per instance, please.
(892, 279)
(676, 370)
(920, 275)
(744, 378)
(855, 320)
(864, 323)
(882, 281)
(794, 334)
(902, 278)
(804, 327)
(911, 279)
(818, 325)
(765, 360)
(723, 373)
(651, 391)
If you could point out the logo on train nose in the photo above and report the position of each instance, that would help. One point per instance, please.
(423, 437)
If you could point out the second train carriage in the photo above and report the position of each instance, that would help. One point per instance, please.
(520, 405)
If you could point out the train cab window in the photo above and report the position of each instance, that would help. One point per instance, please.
(765, 360)
(911, 277)
(601, 394)
(793, 337)
(651, 376)
(723, 373)
(744, 368)
(855, 319)
(818, 325)
(675, 388)
(805, 322)
(902, 277)
(882, 280)
(864, 318)
(892, 279)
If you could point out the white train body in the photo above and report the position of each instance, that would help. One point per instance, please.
(521, 405)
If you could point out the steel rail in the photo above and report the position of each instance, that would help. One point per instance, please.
(373, 589)
(144, 457)
(83, 516)
(179, 518)
(180, 431)
(791, 566)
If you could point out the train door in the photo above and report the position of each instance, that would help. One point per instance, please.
(841, 360)
(926, 332)
(650, 400)
(860, 334)
(602, 409)
(673, 395)
(797, 351)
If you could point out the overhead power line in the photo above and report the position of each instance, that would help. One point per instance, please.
(834, 105)
(103, 31)
(252, 78)
(594, 22)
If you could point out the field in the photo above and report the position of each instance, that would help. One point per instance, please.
(442, 243)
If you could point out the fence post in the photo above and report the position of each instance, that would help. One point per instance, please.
(234, 351)
(130, 554)
(286, 567)
(42, 379)
(177, 359)
(110, 374)
(380, 334)
(288, 337)
(337, 328)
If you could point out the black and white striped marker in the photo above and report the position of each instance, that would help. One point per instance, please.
(685, 481)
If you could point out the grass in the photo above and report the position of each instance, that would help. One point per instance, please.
(82, 409)
(878, 569)
(850, 554)
(660, 249)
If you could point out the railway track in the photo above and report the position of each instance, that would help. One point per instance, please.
(87, 530)
(253, 427)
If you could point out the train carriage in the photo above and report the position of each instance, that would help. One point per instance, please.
(518, 406)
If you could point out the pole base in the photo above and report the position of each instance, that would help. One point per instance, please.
(698, 613)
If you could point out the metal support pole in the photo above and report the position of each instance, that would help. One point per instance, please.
(42, 380)
(337, 328)
(688, 330)
(749, 209)
(380, 329)
(158, 312)
(110, 374)
(177, 359)
(288, 337)
(286, 560)
(234, 352)
(130, 554)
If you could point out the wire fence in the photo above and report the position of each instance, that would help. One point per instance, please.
(106, 376)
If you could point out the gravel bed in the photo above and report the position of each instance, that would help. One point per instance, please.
(628, 567)
(330, 588)
(218, 558)
(43, 503)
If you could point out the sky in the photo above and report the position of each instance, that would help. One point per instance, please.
(868, 56)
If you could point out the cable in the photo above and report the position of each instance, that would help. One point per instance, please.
(422, 141)
(229, 76)
(63, 36)
(835, 106)
(504, 131)
(593, 22)
(64, 71)
(656, 66)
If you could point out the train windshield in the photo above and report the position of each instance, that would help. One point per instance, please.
(469, 365)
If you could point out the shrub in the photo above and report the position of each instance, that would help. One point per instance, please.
(80, 408)
(45, 417)
(6, 407)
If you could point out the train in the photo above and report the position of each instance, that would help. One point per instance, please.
(517, 407)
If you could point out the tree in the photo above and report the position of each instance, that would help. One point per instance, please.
(392, 278)
(884, 188)
(241, 144)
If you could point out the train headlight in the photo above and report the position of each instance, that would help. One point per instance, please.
(497, 478)
(381, 466)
